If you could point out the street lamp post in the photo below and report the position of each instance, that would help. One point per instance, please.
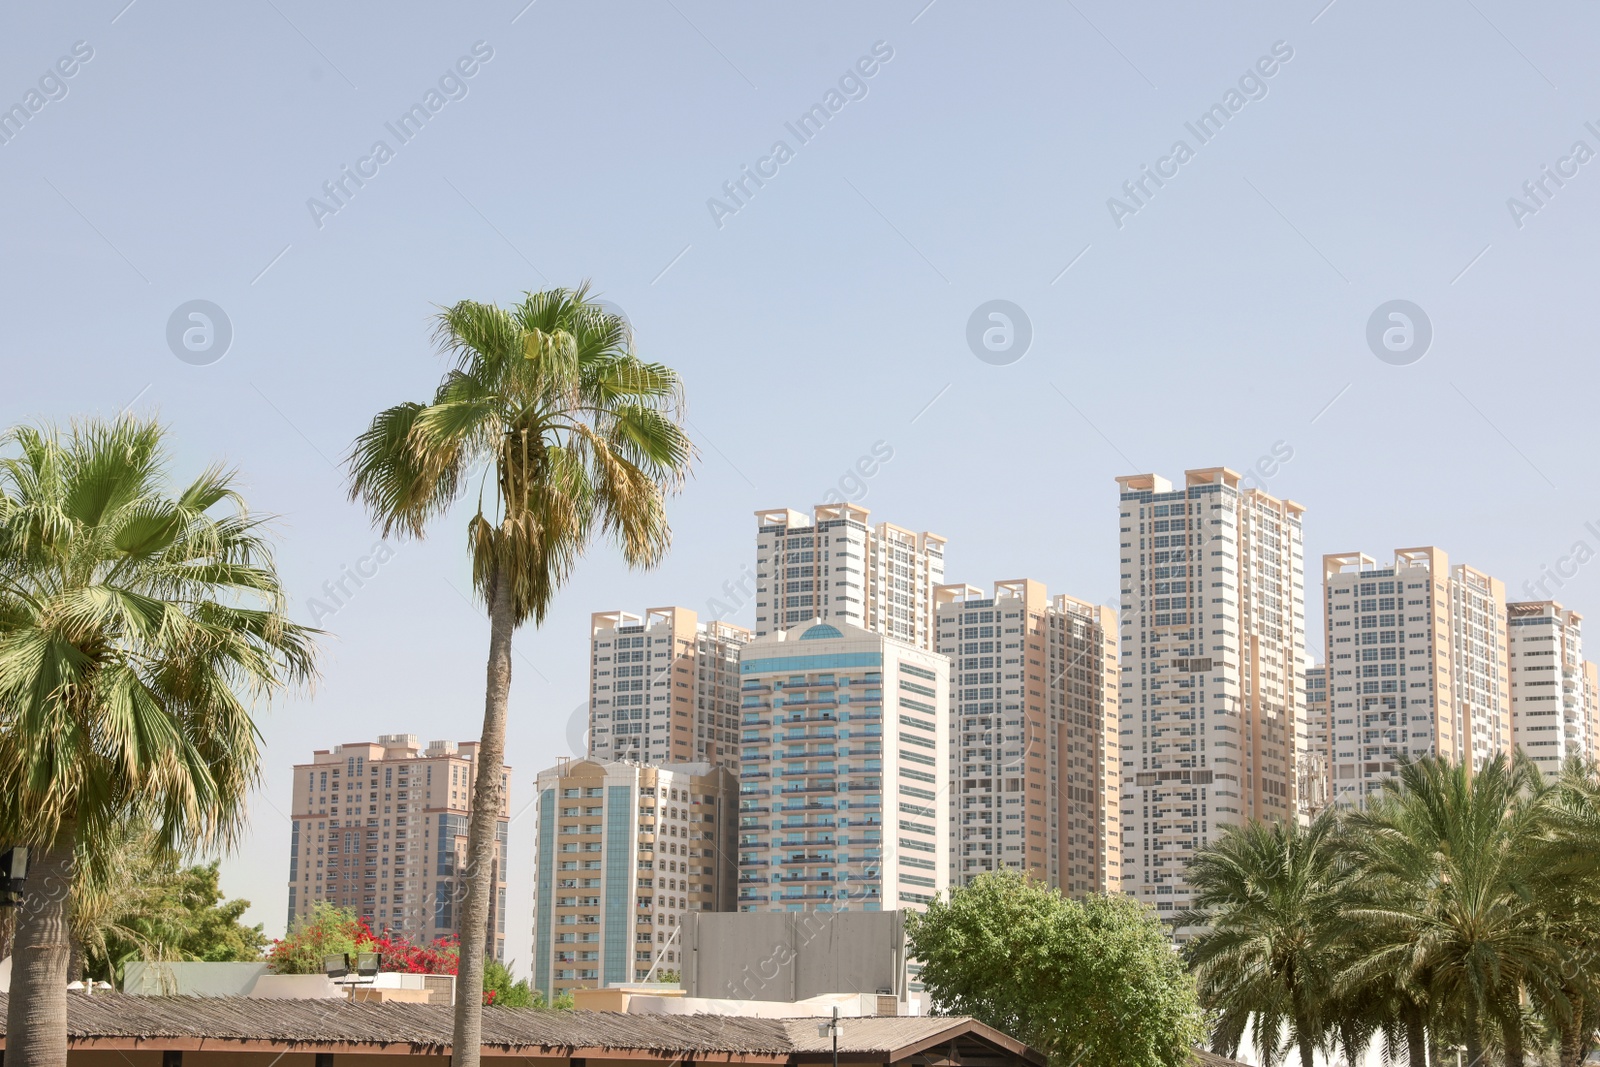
(834, 1029)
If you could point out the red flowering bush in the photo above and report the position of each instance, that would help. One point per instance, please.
(397, 953)
(331, 930)
(328, 930)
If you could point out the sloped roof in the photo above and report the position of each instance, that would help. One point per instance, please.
(1202, 1058)
(111, 1019)
(886, 1035)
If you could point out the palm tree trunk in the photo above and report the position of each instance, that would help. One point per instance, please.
(1572, 1031)
(36, 1011)
(1308, 1051)
(1511, 1031)
(481, 868)
(1416, 1040)
(1474, 1045)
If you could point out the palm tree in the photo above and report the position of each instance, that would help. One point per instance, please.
(1451, 858)
(1367, 1001)
(580, 438)
(1571, 895)
(136, 628)
(121, 897)
(1269, 896)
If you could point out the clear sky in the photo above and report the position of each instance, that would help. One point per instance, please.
(1218, 318)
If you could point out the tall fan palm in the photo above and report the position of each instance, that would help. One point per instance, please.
(1270, 895)
(1452, 859)
(580, 438)
(136, 628)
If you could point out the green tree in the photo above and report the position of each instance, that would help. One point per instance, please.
(564, 1000)
(119, 907)
(213, 932)
(577, 437)
(1269, 897)
(501, 990)
(1092, 981)
(137, 627)
(1453, 862)
(326, 930)
(133, 900)
(1570, 888)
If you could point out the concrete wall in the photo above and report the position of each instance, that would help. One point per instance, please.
(789, 956)
(143, 978)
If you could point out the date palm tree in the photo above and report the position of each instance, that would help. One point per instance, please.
(1571, 891)
(1269, 896)
(577, 438)
(1453, 860)
(137, 628)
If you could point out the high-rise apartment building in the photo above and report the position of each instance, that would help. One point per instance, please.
(381, 829)
(664, 688)
(1416, 660)
(1551, 716)
(1213, 648)
(1316, 784)
(837, 568)
(624, 852)
(1035, 760)
(845, 749)
(1591, 703)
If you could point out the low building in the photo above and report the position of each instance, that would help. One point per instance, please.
(789, 956)
(118, 1031)
(654, 1000)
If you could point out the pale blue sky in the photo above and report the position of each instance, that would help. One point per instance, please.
(1212, 327)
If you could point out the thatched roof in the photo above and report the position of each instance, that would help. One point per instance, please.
(1202, 1058)
(103, 1019)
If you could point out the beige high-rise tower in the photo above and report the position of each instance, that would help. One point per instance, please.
(664, 688)
(1213, 646)
(1417, 665)
(835, 567)
(1552, 716)
(1035, 765)
(381, 828)
(623, 853)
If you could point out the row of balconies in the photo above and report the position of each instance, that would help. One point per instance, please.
(803, 733)
(802, 859)
(824, 717)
